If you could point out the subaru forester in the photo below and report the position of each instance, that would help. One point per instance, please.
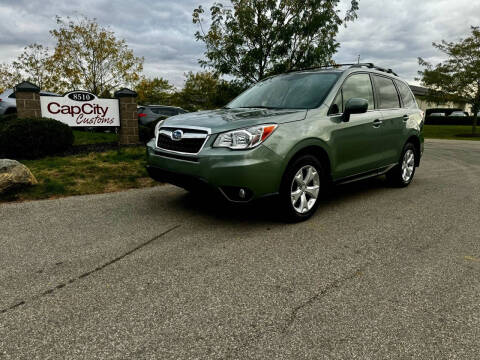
(293, 135)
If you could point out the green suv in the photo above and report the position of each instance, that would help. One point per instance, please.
(293, 135)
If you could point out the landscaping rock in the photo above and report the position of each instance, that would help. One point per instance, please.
(14, 174)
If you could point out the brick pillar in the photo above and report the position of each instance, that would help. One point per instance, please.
(28, 100)
(127, 101)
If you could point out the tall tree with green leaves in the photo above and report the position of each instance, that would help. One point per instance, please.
(90, 57)
(154, 91)
(253, 39)
(199, 91)
(206, 91)
(458, 77)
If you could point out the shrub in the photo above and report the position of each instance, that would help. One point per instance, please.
(34, 138)
(5, 119)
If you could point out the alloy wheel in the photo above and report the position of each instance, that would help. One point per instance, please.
(408, 165)
(305, 189)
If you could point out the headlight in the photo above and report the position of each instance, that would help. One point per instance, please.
(245, 138)
(157, 127)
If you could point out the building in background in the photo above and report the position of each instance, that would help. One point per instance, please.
(420, 94)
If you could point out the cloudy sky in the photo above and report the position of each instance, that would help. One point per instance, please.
(390, 33)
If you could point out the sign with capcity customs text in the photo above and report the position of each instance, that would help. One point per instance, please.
(81, 108)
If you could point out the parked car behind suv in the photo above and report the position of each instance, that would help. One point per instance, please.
(293, 135)
(150, 113)
(458, 114)
(8, 103)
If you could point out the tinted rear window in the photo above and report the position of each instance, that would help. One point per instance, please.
(386, 93)
(407, 96)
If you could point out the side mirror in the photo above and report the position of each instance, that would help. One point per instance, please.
(354, 106)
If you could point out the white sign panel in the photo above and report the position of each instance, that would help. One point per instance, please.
(81, 108)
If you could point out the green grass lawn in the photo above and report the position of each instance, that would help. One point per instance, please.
(449, 132)
(88, 137)
(92, 173)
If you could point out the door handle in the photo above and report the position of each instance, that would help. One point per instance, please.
(377, 123)
(406, 117)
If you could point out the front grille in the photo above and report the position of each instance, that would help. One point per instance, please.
(191, 142)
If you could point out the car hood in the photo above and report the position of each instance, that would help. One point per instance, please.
(230, 119)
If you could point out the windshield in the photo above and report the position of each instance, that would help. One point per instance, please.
(289, 91)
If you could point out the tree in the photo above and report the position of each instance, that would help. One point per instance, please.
(90, 57)
(458, 77)
(36, 65)
(253, 39)
(9, 77)
(205, 90)
(154, 91)
(199, 91)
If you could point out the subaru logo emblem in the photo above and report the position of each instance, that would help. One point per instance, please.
(177, 135)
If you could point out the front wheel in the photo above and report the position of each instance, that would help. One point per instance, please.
(402, 174)
(301, 188)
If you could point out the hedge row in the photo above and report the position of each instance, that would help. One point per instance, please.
(449, 120)
(33, 138)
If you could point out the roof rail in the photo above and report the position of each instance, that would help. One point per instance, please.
(335, 66)
(332, 66)
(373, 66)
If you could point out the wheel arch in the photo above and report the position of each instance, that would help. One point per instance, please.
(416, 143)
(311, 147)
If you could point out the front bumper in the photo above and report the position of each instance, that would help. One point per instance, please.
(258, 171)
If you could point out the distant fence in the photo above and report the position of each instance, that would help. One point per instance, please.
(449, 120)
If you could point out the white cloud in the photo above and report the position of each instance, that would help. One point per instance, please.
(394, 33)
(391, 33)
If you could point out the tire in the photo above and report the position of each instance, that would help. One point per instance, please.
(310, 184)
(402, 174)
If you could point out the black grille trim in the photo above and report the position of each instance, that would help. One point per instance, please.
(187, 145)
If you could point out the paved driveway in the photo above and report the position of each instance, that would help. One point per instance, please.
(377, 273)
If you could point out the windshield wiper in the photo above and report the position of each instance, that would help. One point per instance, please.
(259, 107)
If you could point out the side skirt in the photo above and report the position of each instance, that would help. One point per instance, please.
(365, 175)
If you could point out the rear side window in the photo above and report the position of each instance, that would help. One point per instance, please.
(406, 95)
(386, 93)
(140, 110)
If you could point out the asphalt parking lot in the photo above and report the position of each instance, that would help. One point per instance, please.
(377, 273)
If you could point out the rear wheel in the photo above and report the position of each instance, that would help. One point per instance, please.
(301, 188)
(402, 174)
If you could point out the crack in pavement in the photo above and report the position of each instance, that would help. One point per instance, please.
(84, 275)
(334, 285)
(234, 353)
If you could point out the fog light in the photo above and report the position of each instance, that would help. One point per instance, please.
(242, 194)
(237, 194)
